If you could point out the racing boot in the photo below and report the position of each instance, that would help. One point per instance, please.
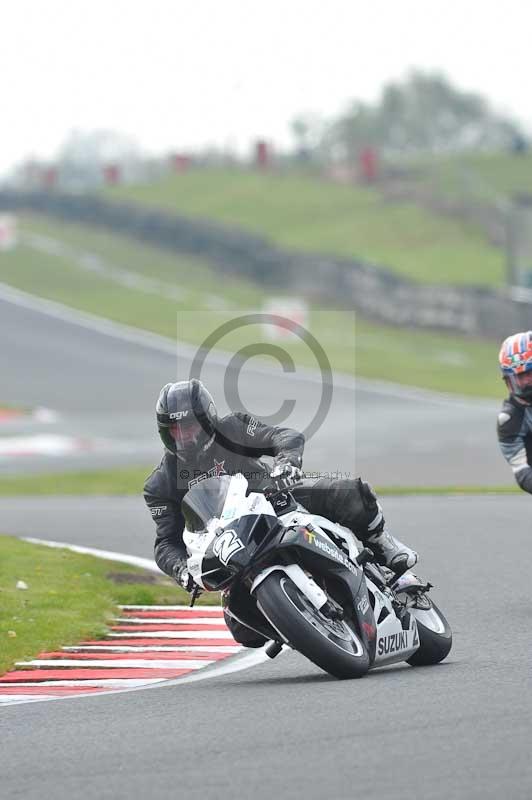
(390, 552)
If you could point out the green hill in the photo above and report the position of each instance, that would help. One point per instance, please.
(308, 214)
(489, 177)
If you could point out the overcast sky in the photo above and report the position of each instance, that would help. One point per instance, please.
(183, 73)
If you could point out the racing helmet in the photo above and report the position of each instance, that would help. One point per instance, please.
(186, 418)
(515, 359)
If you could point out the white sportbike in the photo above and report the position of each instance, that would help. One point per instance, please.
(300, 580)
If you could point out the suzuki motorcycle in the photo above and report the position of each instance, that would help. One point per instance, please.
(301, 580)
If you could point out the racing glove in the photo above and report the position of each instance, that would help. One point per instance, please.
(285, 476)
(184, 579)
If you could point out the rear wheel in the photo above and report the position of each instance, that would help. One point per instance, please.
(435, 636)
(332, 645)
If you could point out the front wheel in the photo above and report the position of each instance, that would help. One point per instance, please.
(332, 645)
(435, 636)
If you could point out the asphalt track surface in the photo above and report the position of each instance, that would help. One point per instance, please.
(103, 387)
(282, 729)
(285, 729)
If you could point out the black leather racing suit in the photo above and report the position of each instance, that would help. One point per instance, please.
(239, 443)
(514, 430)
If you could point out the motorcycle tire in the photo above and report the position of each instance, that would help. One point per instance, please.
(435, 636)
(333, 645)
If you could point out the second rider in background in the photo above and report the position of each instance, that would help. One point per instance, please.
(514, 423)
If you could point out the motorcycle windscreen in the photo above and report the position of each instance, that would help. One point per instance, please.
(204, 501)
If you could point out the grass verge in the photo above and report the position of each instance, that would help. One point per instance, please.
(413, 491)
(352, 344)
(119, 481)
(130, 480)
(70, 597)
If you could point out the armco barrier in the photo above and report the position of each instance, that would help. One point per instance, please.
(372, 290)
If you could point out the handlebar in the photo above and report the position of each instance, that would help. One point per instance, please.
(282, 500)
(271, 490)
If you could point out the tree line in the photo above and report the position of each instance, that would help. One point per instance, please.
(422, 113)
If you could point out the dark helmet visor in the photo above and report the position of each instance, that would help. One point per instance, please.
(186, 434)
(520, 385)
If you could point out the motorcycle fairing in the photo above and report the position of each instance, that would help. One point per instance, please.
(241, 540)
(214, 507)
(330, 529)
(322, 557)
(397, 638)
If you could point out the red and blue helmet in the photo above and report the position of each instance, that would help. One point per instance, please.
(515, 359)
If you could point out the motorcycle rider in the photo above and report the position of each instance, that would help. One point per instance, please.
(514, 423)
(198, 444)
